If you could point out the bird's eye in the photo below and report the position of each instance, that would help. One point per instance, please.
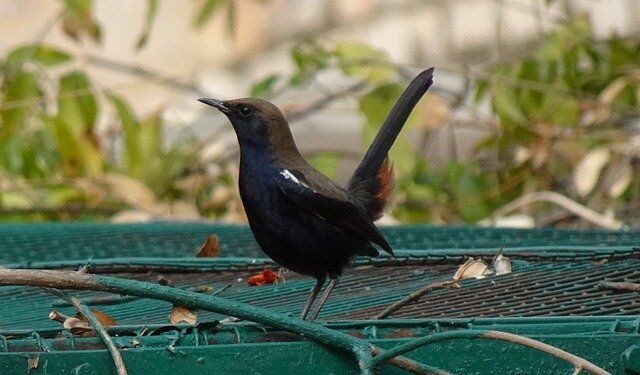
(245, 111)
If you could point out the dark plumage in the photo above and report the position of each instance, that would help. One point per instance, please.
(299, 217)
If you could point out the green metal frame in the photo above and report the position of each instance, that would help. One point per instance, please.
(460, 346)
(360, 348)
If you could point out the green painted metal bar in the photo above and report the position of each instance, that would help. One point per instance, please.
(540, 252)
(73, 280)
(485, 334)
(96, 325)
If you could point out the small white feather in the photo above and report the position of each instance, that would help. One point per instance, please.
(289, 176)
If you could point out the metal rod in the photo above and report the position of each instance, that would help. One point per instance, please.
(96, 325)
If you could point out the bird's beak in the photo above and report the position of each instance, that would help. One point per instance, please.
(215, 103)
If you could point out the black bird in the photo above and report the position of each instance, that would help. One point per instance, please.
(299, 217)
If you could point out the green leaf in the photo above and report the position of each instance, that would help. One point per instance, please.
(470, 192)
(133, 157)
(15, 199)
(76, 102)
(77, 19)
(61, 195)
(19, 99)
(482, 86)
(376, 104)
(358, 59)
(80, 156)
(45, 55)
(36, 154)
(205, 12)
(506, 106)
(152, 11)
(265, 86)
(309, 57)
(151, 136)
(560, 110)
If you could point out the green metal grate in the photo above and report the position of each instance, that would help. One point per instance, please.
(551, 295)
(68, 241)
(542, 286)
(249, 348)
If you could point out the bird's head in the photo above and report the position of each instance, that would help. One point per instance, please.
(255, 121)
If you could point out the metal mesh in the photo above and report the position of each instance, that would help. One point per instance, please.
(534, 288)
(67, 241)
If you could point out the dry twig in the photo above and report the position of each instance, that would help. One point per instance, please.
(574, 207)
(579, 363)
(415, 296)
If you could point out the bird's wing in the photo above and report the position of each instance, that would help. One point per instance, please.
(320, 196)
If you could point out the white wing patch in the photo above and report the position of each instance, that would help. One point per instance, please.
(289, 176)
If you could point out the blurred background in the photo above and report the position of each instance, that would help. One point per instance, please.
(533, 120)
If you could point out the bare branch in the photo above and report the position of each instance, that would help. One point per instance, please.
(140, 71)
(549, 196)
(325, 101)
(415, 296)
(578, 362)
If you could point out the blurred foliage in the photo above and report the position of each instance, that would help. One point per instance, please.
(569, 122)
(568, 117)
(55, 163)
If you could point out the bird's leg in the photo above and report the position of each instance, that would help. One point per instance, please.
(323, 299)
(312, 297)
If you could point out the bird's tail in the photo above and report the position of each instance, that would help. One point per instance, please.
(372, 181)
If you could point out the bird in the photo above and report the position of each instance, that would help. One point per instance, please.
(300, 218)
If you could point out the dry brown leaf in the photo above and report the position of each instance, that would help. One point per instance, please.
(32, 362)
(211, 247)
(77, 326)
(103, 318)
(587, 172)
(183, 314)
(472, 268)
(501, 265)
